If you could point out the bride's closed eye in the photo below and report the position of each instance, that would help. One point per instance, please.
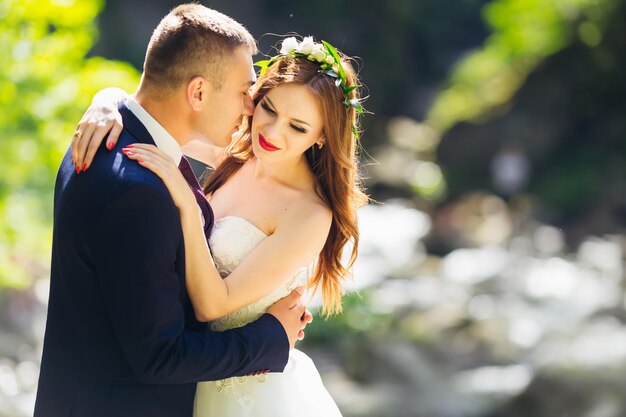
(298, 128)
(268, 109)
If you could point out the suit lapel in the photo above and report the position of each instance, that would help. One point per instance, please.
(133, 125)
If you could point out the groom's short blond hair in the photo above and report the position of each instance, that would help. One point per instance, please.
(192, 40)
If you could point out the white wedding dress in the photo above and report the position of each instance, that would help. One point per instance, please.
(298, 391)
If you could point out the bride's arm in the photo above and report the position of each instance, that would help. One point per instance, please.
(295, 242)
(101, 119)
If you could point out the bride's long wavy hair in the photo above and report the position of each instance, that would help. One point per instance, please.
(334, 166)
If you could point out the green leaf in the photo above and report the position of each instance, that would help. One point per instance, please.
(332, 51)
(357, 106)
(348, 90)
(355, 132)
(330, 73)
(264, 63)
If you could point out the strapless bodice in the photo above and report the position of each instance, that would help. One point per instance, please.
(232, 239)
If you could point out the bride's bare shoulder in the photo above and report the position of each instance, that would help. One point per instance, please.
(308, 211)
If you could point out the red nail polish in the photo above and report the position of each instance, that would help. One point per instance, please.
(109, 145)
(85, 167)
(77, 169)
(130, 146)
(140, 160)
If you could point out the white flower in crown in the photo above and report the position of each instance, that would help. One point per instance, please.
(289, 46)
(330, 60)
(318, 53)
(306, 46)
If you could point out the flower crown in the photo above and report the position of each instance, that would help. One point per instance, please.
(325, 55)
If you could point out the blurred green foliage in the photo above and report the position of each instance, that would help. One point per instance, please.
(46, 82)
(524, 32)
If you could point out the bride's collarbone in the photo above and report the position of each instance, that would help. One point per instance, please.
(264, 203)
(241, 191)
(266, 210)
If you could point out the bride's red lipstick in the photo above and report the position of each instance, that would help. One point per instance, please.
(266, 145)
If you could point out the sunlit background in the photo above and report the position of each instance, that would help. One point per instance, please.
(491, 276)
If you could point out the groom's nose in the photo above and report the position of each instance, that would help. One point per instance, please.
(248, 105)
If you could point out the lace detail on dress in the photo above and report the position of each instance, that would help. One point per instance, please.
(232, 239)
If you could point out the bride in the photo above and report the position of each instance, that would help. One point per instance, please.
(285, 199)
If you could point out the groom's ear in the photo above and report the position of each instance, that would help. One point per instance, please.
(197, 91)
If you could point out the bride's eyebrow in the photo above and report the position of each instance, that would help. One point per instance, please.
(295, 120)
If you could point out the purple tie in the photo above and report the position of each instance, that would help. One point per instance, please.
(187, 172)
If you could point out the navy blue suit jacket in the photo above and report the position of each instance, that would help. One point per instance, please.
(121, 337)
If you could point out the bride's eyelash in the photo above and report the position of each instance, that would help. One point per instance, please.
(267, 108)
(298, 128)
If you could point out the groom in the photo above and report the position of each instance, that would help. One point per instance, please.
(121, 336)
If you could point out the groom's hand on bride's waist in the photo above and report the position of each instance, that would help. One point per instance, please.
(261, 372)
(292, 314)
(306, 318)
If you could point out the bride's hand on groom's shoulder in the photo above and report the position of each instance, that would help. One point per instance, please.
(102, 118)
(157, 161)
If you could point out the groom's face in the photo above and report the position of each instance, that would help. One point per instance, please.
(226, 106)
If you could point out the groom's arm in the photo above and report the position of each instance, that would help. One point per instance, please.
(136, 253)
